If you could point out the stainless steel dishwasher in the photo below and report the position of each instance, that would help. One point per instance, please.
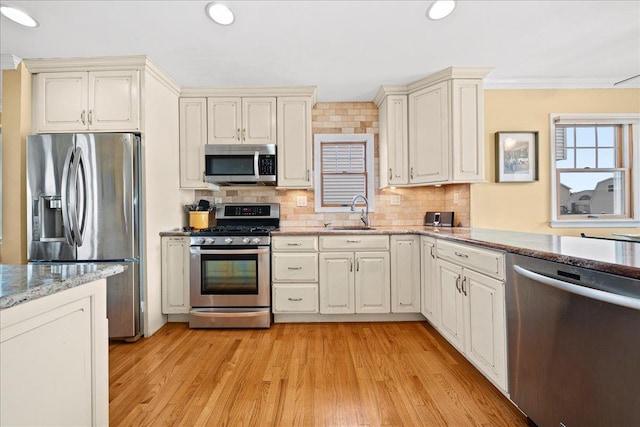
(574, 344)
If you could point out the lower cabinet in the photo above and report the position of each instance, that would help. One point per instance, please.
(428, 284)
(405, 274)
(471, 307)
(175, 275)
(354, 282)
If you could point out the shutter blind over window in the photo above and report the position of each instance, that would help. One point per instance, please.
(561, 143)
(343, 172)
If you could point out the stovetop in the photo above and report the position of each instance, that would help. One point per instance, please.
(233, 230)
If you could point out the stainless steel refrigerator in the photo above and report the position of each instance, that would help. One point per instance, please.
(83, 206)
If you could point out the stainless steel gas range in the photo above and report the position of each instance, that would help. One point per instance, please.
(230, 268)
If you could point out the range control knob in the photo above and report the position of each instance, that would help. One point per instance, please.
(255, 240)
(210, 240)
(228, 240)
(245, 240)
(199, 240)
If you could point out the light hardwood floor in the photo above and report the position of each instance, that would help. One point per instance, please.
(346, 374)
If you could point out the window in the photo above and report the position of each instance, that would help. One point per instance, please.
(594, 170)
(343, 168)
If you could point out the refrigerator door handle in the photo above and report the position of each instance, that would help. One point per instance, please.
(81, 201)
(64, 196)
(73, 198)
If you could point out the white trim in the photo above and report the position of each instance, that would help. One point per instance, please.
(319, 138)
(569, 83)
(622, 223)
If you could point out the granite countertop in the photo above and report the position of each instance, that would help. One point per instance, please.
(23, 283)
(615, 257)
(175, 232)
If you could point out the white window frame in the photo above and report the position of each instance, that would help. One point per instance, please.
(632, 119)
(365, 138)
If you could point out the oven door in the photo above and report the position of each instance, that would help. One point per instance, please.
(230, 277)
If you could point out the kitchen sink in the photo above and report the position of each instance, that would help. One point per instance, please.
(349, 228)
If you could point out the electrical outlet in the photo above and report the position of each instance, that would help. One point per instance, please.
(456, 198)
(217, 200)
(395, 200)
(301, 201)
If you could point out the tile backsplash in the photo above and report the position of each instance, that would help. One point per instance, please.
(353, 117)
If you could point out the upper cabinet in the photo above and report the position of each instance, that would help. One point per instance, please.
(438, 137)
(234, 120)
(280, 116)
(87, 101)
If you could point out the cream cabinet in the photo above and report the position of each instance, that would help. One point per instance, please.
(355, 274)
(294, 142)
(193, 139)
(247, 120)
(294, 273)
(445, 126)
(472, 306)
(54, 367)
(175, 275)
(428, 285)
(405, 274)
(393, 140)
(87, 101)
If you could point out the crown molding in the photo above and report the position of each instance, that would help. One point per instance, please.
(193, 92)
(562, 83)
(9, 61)
(388, 90)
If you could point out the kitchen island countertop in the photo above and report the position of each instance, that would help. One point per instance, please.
(610, 256)
(23, 283)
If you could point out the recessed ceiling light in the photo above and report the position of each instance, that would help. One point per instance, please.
(220, 13)
(18, 16)
(440, 9)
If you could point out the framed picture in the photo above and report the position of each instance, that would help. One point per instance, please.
(516, 156)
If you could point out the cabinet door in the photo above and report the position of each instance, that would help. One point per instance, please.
(193, 138)
(405, 274)
(294, 142)
(451, 303)
(258, 121)
(467, 130)
(61, 103)
(114, 100)
(429, 135)
(393, 138)
(485, 325)
(337, 283)
(372, 282)
(428, 281)
(224, 120)
(175, 275)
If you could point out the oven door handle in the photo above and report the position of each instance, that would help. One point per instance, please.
(196, 250)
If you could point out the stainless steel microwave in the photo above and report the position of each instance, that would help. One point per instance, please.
(240, 164)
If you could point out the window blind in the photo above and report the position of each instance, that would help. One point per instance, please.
(343, 172)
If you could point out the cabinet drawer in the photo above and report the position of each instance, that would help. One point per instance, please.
(294, 267)
(297, 298)
(481, 260)
(294, 243)
(354, 242)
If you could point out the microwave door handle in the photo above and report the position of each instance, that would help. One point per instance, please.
(256, 156)
(64, 196)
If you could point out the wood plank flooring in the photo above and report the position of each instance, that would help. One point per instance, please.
(346, 374)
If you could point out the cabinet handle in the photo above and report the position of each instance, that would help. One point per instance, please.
(238, 134)
(390, 174)
(461, 255)
(295, 299)
(464, 280)
(431, 250)
(308, 174)
(458, 284)
(90, 117)
(244, 131)
(358, 264)
(350, 265)
(353, 241)
(294, 244)
(294, 268)
(411, 173)
(82, 118)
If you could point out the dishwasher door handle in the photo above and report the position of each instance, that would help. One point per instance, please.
(595, 294)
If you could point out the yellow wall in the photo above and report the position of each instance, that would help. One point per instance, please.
(16, 123)
(527, 206)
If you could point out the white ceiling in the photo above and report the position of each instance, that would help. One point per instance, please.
(345, 48)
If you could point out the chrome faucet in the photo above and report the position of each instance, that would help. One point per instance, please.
(365, 212)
